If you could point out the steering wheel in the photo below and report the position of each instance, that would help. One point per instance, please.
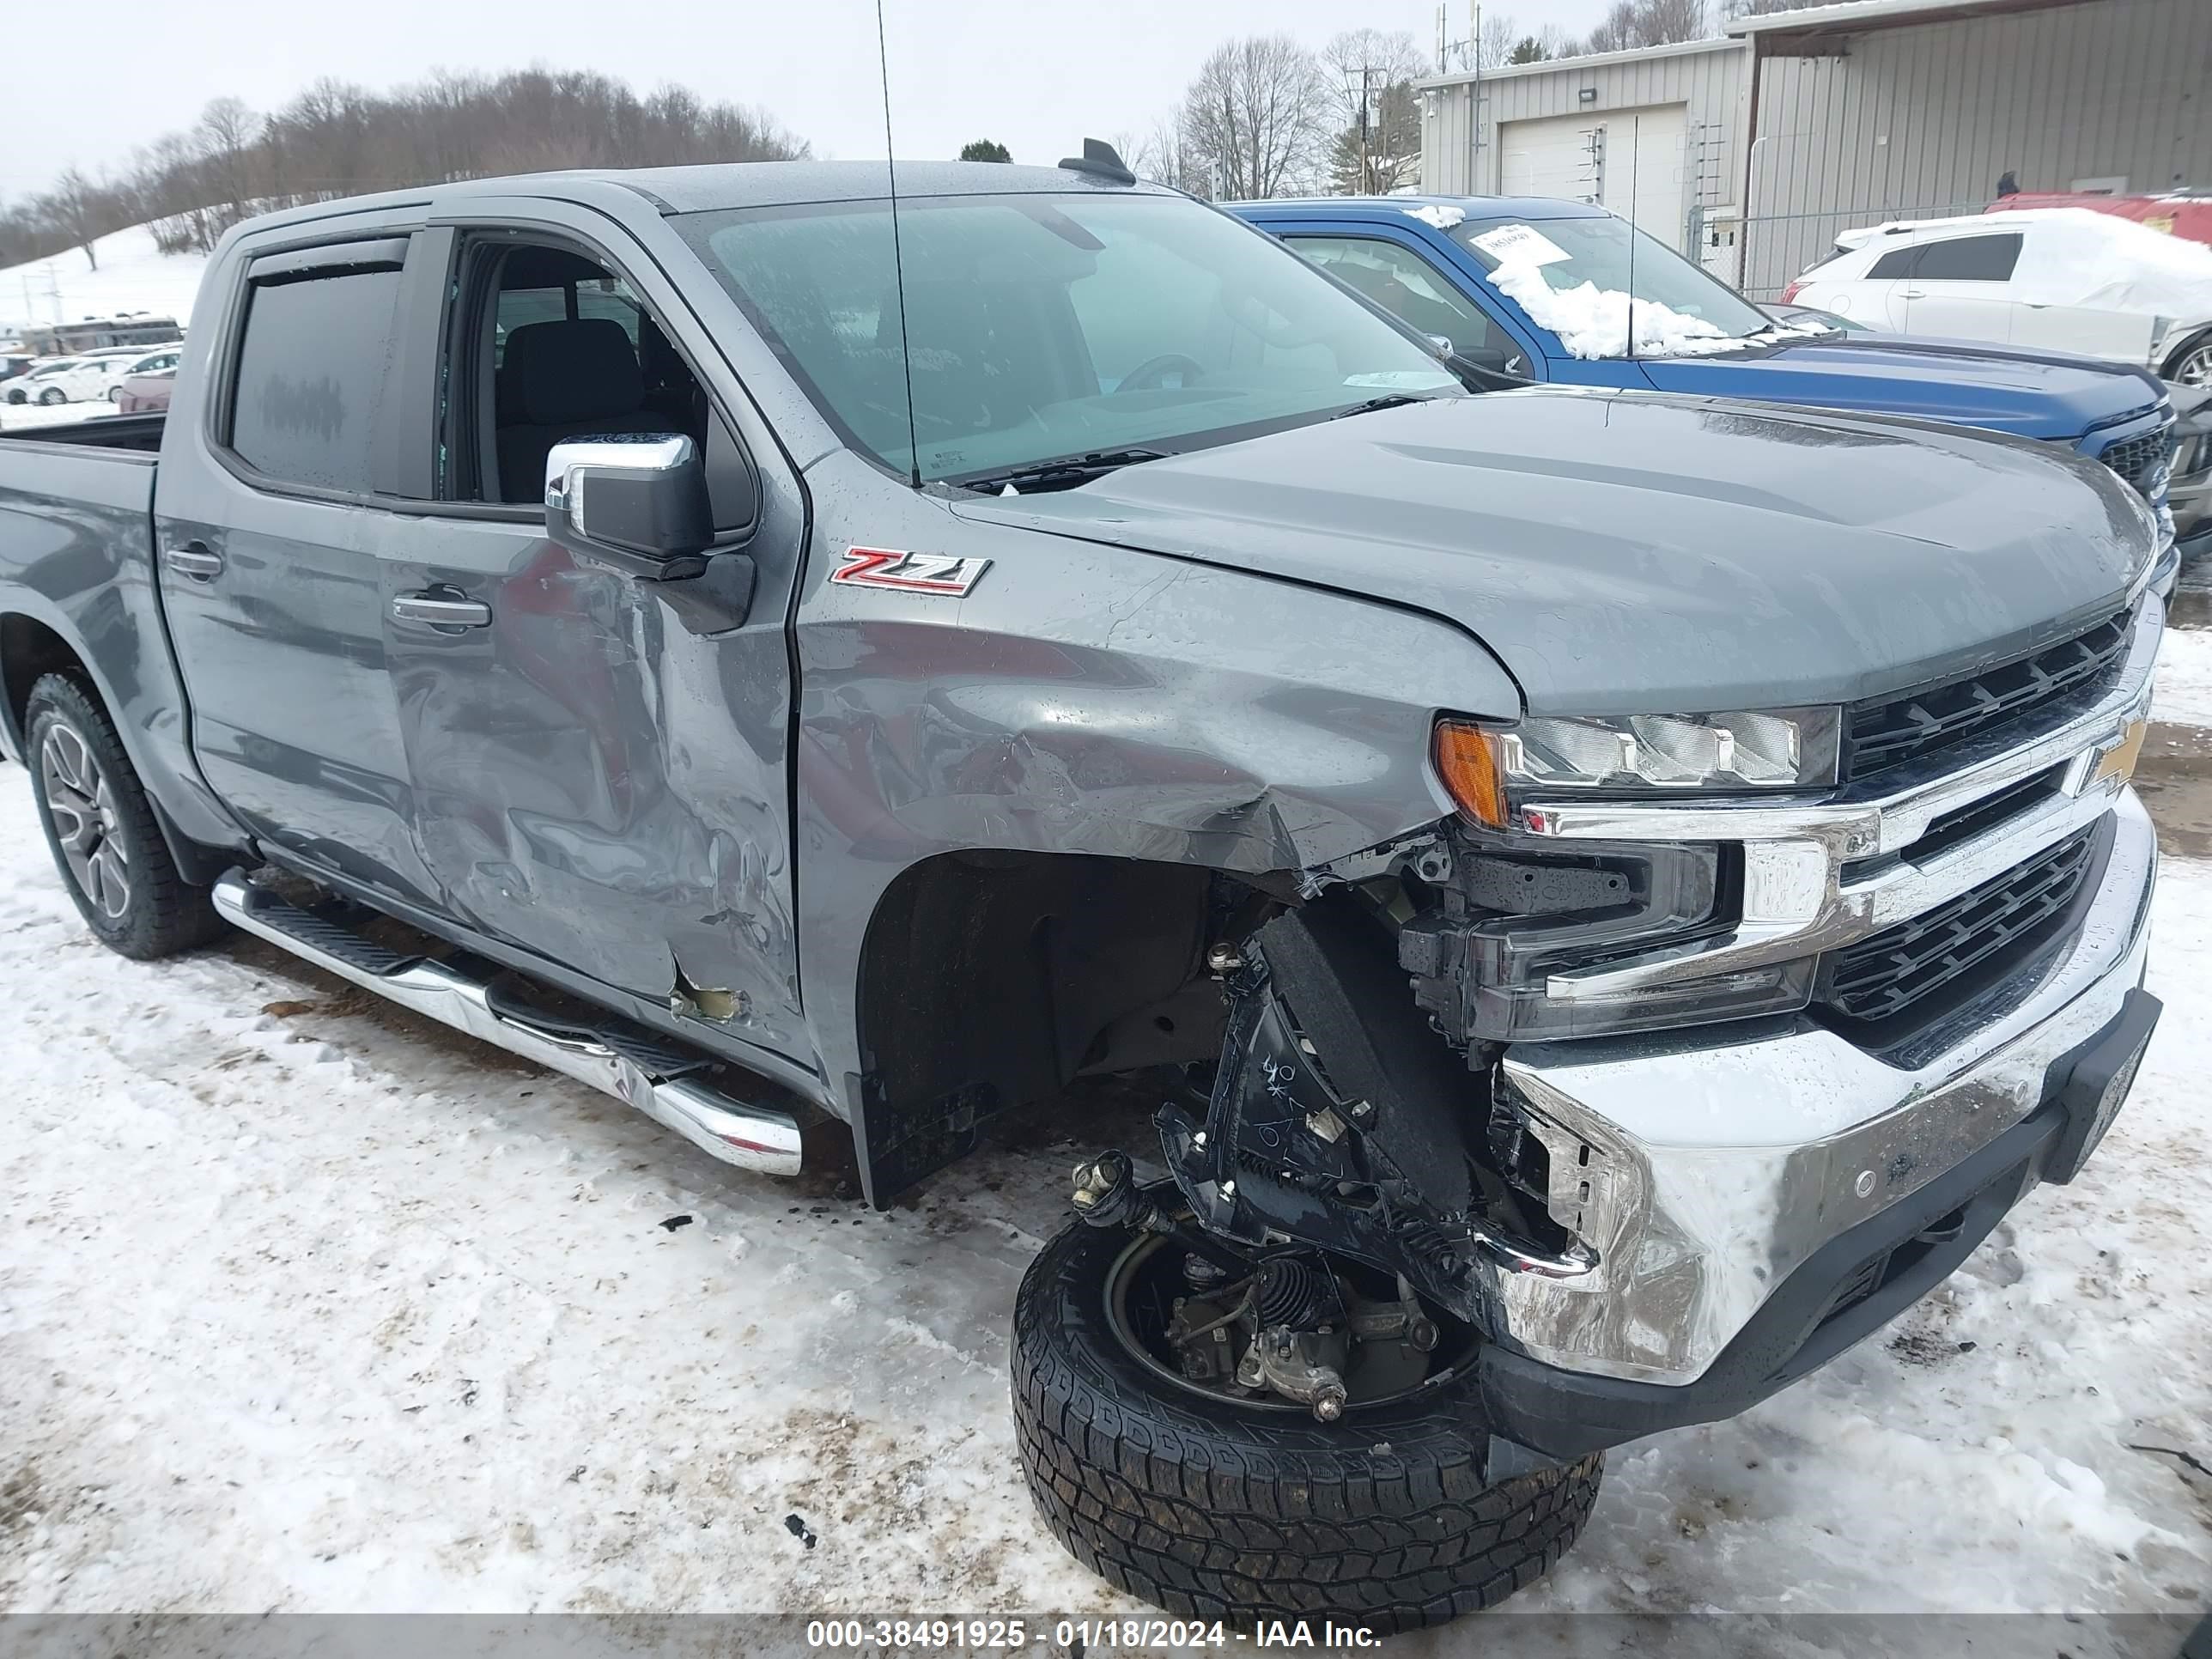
(1147, 375)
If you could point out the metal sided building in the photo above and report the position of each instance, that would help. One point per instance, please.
(1755, 150)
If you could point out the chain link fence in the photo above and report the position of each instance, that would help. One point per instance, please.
(1777, 247)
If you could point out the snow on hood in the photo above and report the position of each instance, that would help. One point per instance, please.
(2084, 258)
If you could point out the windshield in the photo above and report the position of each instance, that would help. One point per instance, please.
(1046, 327)
(1574, 277)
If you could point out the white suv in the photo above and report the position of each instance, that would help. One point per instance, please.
(2058, 278)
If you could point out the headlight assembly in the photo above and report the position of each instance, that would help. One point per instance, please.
(1488, 769)
(1539, 914)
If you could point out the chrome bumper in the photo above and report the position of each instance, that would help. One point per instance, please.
(1698, 1170)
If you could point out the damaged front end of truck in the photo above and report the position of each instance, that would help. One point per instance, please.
(1688, 1052)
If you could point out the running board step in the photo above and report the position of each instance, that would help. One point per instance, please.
(631, 1065)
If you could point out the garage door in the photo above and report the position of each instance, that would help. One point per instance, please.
(1634, 161)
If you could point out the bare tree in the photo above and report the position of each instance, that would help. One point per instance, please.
(335, 139)
(1254, 120)
(1632, 23)
(225, 134)
(1162, 157)
(76, 204)
(1377, 143)
(1493, 47)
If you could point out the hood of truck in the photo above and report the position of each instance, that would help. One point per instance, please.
(2027, 394)
(1631, 552)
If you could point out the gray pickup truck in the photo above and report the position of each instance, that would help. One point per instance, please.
(1617, 892)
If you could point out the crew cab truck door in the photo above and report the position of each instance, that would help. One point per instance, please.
(279, 478)
(599, 750)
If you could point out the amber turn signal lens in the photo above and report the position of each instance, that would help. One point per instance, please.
(1467, 762)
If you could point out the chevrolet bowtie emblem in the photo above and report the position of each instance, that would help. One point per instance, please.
(2119, 761)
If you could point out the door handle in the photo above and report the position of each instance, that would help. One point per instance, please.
(442, 609)
(194, 560)
(1912, 294)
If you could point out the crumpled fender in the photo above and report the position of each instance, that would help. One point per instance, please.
(1090, 699)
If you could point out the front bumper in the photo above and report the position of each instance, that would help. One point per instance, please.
(1704, 1172)
(1852, 1285)
(1703, 1175)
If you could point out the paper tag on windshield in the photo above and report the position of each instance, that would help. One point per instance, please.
(1520, 244)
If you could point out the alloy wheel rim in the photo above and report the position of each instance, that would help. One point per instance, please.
(82, 806)
(2196, 368)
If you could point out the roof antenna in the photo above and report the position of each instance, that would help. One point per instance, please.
(898, 262)
(1099, 158)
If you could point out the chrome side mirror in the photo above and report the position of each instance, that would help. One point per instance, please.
(637, 500)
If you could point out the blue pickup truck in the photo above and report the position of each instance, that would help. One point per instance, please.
(1542, 288)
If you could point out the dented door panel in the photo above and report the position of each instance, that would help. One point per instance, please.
(595, 782)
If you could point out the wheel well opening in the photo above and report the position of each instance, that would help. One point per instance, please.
(29, 649)
(991, 980)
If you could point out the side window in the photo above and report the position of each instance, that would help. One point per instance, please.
(310, 376)
(1969, 260)
(1898, 262)
(1403, 284)
(566, 348)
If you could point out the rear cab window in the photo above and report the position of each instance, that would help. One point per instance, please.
(308, 386)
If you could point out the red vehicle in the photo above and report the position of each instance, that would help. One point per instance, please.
(2185, 214)
(147, 393)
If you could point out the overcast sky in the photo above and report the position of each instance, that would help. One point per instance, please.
(1037, 75)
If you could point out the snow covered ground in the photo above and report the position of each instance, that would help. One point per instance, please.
(14, 417)
(133, 275)
(2183, 696)
(309, 1306)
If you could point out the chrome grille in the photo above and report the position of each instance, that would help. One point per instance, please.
(1886, 732)
(1912, 966)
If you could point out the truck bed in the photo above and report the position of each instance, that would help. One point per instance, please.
(130, 432)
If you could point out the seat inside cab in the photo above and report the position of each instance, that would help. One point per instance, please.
(575, 352)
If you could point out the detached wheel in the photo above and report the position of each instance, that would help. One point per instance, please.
(102, 827)
(1219, 1508)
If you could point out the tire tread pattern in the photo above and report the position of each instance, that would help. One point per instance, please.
(1244, 1515)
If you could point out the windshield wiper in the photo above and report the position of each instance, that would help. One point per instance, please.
(1390, 400)
(1065, 473)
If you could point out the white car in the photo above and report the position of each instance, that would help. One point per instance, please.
(120, 366)
(2064, 279)
(59, 382)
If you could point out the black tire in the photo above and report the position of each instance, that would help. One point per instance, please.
(108, 826)
(52, 397)
(1216, 1511)
(2193, 358)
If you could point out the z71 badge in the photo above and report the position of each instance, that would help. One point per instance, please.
(908, 573)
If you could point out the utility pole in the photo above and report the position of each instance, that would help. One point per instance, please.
(1366, 172)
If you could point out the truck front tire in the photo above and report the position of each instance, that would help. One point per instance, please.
(101, 829)
(1215, 1510)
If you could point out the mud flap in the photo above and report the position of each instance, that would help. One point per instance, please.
(1338, 1118)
